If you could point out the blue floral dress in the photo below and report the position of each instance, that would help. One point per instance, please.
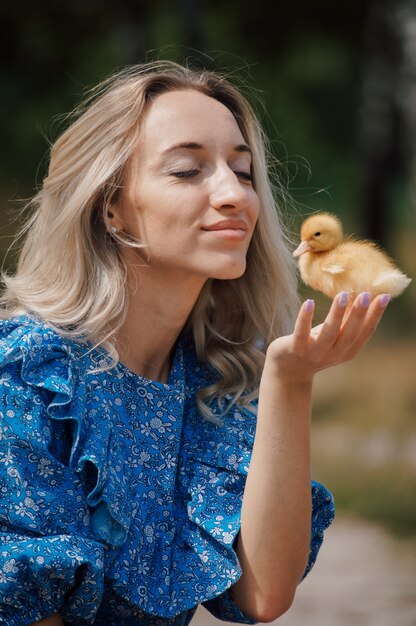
(119, 502)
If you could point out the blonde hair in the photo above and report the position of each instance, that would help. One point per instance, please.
(71, 273)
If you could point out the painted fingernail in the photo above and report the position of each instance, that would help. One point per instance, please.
(384, 300)
(343, 299)
(309, 305)
(365, 298)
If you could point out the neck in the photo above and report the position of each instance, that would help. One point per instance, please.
(158, 308)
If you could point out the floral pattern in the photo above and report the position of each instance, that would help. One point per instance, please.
(119, 502)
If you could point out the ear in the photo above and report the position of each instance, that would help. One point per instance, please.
(112, 218)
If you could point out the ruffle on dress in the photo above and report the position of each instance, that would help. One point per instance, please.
(57, 365)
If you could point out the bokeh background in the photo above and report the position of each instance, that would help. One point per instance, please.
(338, 85)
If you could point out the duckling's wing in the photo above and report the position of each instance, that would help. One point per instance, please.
(332, 268)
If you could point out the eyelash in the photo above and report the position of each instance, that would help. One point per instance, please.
(185, 174)
(192, 173)
(244, 175)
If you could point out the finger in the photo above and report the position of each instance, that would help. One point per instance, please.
(371, 321)
(303, 324)
(331, 328)
(315, 330)
(354, 321)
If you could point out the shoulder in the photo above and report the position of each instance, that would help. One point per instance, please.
(37, 351)
(23, 335)
(41, 377)
(38, 364)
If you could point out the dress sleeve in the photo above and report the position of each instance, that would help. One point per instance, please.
(49, 558)
(223, 606)
(323, 513)
(40, 576)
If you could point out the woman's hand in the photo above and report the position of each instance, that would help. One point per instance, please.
(299, 356)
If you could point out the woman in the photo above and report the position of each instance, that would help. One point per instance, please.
(150, 314)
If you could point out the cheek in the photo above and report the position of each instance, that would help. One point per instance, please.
(254, 207)
(165, 217)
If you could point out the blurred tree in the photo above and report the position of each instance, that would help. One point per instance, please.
(192, 12)
(54, 50)
(406, 96)
(388, 118)
(379, 120)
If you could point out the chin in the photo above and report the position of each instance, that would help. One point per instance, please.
(229, 273)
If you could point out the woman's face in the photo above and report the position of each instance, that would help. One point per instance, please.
(189, 193)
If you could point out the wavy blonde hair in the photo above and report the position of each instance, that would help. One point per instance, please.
(71, 273)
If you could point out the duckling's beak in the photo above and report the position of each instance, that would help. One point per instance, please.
(303, 247)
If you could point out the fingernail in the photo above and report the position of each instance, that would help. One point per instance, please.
(384, 300)
(343, 299)
(365, 298)
(309, 305)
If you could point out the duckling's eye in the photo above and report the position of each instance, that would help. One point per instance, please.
(317, 234)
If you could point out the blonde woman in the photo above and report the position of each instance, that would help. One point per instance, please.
(155, 399)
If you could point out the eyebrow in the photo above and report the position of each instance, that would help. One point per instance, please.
(192, 145)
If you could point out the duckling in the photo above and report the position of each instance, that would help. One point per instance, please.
(331, 263)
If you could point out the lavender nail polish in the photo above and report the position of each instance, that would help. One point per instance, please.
(343, 299)
(384, 300)
(365, 299)
(309, 304)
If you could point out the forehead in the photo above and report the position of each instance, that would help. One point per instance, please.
(188, 115)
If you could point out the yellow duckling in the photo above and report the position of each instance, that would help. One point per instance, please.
(330, 263)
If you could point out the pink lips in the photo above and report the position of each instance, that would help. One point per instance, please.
(227, 225)
(231, 230)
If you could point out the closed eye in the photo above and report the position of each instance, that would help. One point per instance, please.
(191, 173)
(244, 175)
(185, 173)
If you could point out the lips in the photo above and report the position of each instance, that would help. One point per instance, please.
(227, 225)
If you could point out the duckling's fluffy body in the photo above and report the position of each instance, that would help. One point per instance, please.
(330, 263)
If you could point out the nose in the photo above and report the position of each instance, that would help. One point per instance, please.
(228, 192)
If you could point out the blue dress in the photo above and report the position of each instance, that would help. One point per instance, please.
(119, 502)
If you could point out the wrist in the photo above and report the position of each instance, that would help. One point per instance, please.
(281, 372)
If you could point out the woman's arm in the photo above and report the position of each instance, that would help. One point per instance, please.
(273, 543)
(54, 620)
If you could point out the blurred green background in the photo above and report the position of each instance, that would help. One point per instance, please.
(338, 83)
